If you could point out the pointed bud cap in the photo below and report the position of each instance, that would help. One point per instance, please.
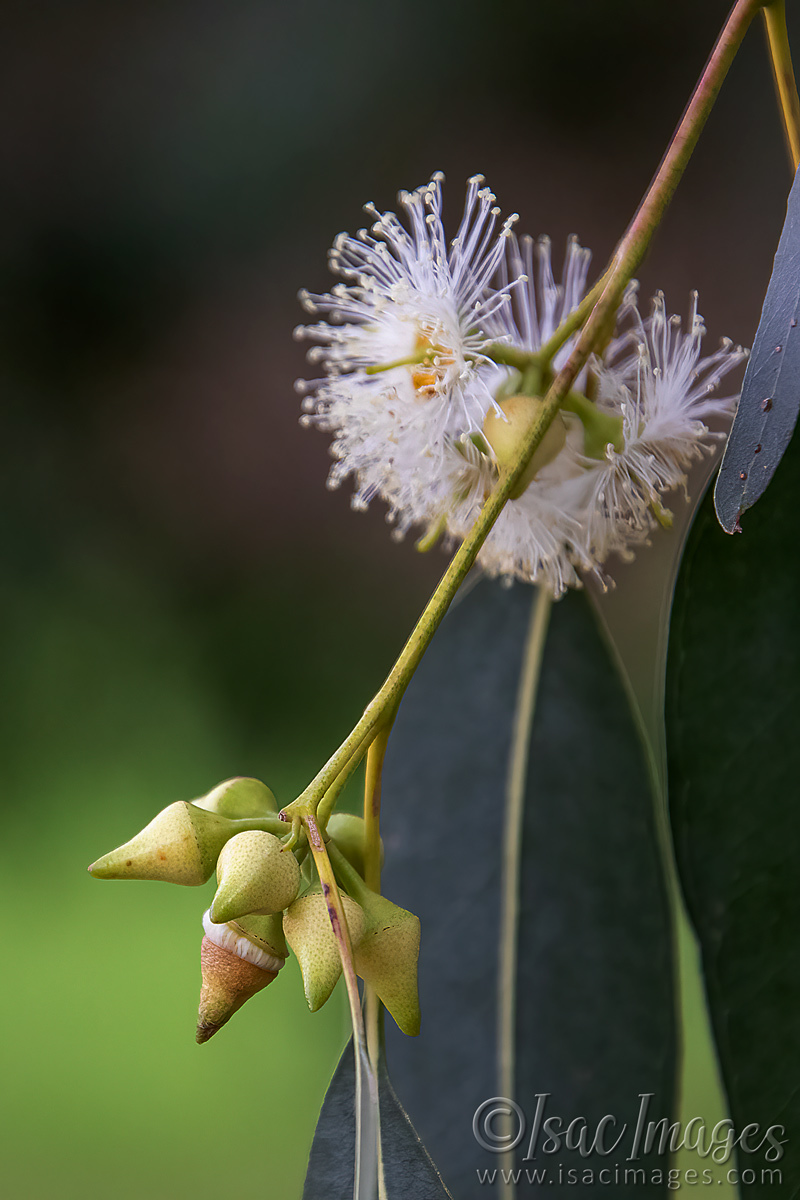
(238, 798)
(255, 875)
(233, 969)
(386, 958)
(180, 845)
(308, 931)
(348, 831)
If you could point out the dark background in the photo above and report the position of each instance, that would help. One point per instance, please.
(182, 600)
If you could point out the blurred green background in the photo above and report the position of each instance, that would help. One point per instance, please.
(181, 598)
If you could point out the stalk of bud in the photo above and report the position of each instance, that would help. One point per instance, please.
(255, 875)
(387, 953)
(235, 964)
(180, 845)
(307, 926)
(238, 798)
(505, 433)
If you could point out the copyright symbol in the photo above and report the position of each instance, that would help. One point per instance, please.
(513, 1119)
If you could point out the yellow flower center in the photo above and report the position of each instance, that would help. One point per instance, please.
(426, 374)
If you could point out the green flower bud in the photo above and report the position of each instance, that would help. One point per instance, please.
(387, 952)
(180, 845)
(386, 958)
(237, 798)
(265, 931)
(234, 967)
(255, 875)
(348, 831)
(506, 433)
(308, 931)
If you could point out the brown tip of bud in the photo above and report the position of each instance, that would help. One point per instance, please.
(228, 981)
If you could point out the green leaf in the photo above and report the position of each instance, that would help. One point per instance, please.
(770, 397)
(733, 712)
(594, 988)
(409, 1173)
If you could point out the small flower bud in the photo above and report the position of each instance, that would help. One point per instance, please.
(238, 798)
(255, 875)
(506, 433)
(386, 958)
(387, 952)
(308, 931)
(180, 845)
(348, 831)
(265, 931)
(234, 967)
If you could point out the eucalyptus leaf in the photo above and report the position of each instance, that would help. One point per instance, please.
(409, 1173)
(770, 398)
(733, 714)
(594, 987)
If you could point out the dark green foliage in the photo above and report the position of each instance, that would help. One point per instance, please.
(733, 710)
(408, 1170)
(770, 397)
(594, 994)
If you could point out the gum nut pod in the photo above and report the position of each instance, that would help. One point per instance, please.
(507, 425)
(180, 845)
(387, 954)
(265, 931)
(234, 967)
(348, 832)
(307, 926)
(255, 875)
(240, 797)
(386, 958)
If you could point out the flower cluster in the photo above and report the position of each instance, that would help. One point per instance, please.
(269, 899)
(421, 402)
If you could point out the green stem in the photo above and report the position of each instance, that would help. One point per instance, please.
(628, 256)
(783, 72)
(328, 801)
(599, 429)
(573, 320)
(512, 843)
(372, 874)
(631, 249)
(511, 356)
(367, 1119)
(372, 809)
(347, 875)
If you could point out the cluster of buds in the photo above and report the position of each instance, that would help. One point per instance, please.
(269, 899)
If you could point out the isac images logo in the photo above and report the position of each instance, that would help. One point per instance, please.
(501, 1127)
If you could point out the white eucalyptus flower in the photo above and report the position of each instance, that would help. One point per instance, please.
(402, 346)
(412, 389)
(656, 378)
(539, 536)
(579, 509)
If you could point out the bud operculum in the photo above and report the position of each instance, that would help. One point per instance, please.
(348, 831)
(308, 931)
(255, 875)
(239, 798)
(388, 951)
(180, 845)
(234, 968)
